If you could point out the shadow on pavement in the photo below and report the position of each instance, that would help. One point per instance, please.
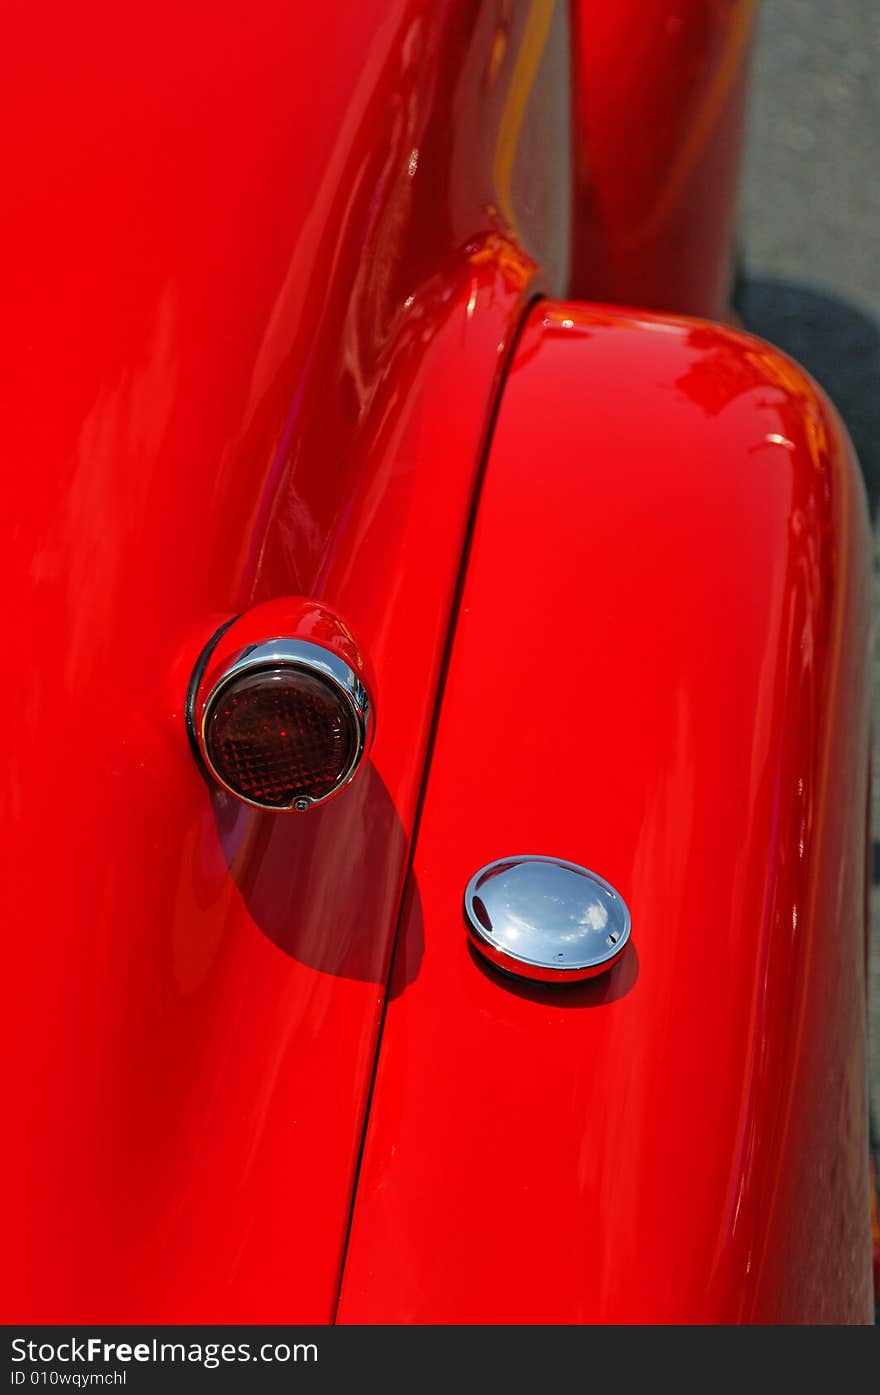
(836, 342)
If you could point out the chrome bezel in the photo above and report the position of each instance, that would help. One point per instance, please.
(300, 654)
(522, 966)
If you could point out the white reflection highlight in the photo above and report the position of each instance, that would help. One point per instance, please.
(595, 916)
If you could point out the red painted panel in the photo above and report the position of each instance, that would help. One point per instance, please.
(262, 273)
(658, 124)
(659, 672)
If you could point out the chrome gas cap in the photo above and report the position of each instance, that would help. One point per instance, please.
(542, 918)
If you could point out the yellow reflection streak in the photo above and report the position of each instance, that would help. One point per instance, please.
(704, 121)
(534, 40)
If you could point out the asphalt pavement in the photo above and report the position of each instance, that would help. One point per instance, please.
(810, 231)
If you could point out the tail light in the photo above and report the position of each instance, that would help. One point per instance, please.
(283, 720)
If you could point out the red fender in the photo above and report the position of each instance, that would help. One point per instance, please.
(658, 119)
(659, 672)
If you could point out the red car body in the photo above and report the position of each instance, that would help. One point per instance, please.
(292, 312)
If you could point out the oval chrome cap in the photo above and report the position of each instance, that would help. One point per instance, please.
(542, 918)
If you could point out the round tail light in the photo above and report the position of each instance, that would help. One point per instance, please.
(282, 723)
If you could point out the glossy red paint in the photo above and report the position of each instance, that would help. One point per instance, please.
(264, 268)
(290, 617)
(658, 122)
(670, 560)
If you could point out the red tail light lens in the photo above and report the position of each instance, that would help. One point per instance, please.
(279, 736)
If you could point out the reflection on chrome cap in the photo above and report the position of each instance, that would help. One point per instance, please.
(542, 918)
